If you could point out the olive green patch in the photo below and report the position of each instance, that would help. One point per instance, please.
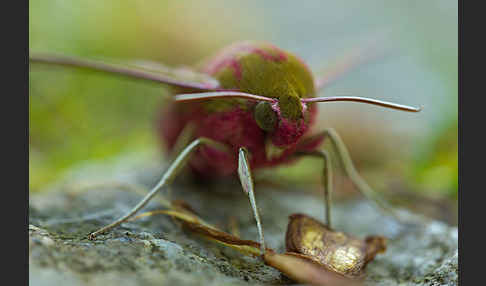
(290, 106)
(265, 117)
(287, 80)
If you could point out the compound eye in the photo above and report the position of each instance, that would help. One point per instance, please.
(265, 117)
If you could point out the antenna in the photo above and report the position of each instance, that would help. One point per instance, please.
(363, 100)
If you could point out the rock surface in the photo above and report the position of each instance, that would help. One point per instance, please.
(157, 251)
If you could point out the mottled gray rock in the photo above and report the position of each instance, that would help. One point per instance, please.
(156, 251)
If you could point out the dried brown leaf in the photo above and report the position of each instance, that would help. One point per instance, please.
(333, 250)
(305, 270)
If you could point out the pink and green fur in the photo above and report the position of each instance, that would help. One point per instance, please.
(261, 69)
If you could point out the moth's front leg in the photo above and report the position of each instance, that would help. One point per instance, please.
(246, 180)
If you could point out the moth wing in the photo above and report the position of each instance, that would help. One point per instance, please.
(141, 69)
(182, 73)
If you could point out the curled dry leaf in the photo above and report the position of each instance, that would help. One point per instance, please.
(305, 270)
(333, 250)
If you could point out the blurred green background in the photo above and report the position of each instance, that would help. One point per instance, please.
(82, 116)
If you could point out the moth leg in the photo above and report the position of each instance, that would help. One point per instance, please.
(326, 179)
(246, 180)
(352, 173)
(166, 179)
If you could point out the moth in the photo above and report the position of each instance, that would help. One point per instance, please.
(249, 106)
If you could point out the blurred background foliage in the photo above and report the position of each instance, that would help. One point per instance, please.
(79, 116)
